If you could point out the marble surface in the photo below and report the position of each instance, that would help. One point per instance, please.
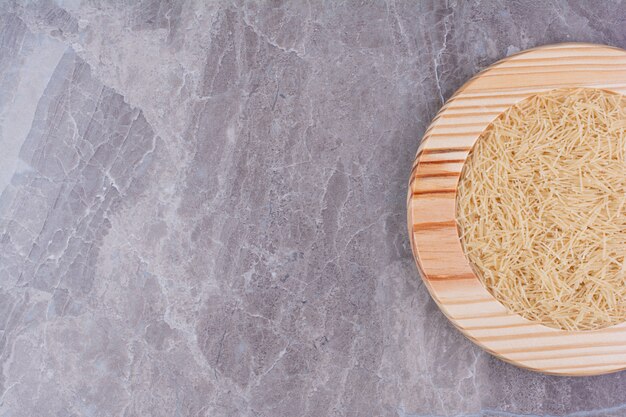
(202, 208)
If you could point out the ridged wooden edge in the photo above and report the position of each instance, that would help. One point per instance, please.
(431, 210)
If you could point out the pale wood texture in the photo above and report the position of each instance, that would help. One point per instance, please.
(431, 210)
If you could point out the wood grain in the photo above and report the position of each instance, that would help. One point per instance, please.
(431, 210)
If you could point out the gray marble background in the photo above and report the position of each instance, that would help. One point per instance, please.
(202, 208)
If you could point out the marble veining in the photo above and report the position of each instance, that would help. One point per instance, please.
(202, 208)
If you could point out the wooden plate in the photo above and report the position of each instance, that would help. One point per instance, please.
(431, 210)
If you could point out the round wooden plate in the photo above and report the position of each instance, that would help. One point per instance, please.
(431, 210)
